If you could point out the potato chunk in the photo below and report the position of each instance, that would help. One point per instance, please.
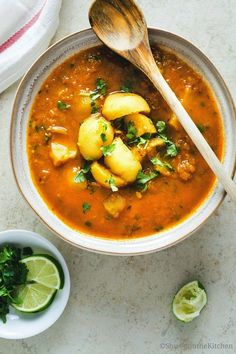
(82, 105)
(122, 162)
(60, 154)
(105, 177)
(142, 123)
(94, 133)
(114, 204)
(120, 104)
(173, 121)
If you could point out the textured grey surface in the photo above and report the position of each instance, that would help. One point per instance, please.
(122, 305)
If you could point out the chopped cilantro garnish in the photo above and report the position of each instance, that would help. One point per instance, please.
(201, 127)
(112, 184)
(80, 176)
(127, 87)
(86, 207)
(108, 149)
(171, 149)
(143, 178)
(161, 126)
(101, 90)
(131, 131)
(62, 106)
(119, 123)
(101, 86)
(94, 107)
(103, 137)
(160, 163)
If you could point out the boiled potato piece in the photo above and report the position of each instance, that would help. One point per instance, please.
(173, 121)
(139, 152)
(60, 153)
(104, 176)
(82, 105)
(114, 204)
(142, 123)
(69, 175)
(120, 104)
(94, 133)
(155, 142)
(122, 162)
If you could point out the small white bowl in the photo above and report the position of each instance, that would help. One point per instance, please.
(21, 325)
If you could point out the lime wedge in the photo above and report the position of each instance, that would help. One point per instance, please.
(44, 270)
(34, 297)
(189, 301)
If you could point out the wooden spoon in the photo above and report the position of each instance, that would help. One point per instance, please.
(120, 24)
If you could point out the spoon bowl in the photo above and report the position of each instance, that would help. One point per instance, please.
(106, 16)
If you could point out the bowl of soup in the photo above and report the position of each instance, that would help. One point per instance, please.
(100, 157)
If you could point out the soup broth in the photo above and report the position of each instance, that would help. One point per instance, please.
(172, 179)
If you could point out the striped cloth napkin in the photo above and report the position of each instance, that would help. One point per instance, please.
(26, 28)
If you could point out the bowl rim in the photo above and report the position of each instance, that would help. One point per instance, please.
(96, 249)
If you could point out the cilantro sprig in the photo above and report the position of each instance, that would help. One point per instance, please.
(101, 90)
(143, 178)
(63, 106)
(112, 184)
(164, 164)
(171, 148)
(108, 149)
(12, 274)
(80, 177)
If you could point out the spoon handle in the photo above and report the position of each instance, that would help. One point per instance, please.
(144, 60)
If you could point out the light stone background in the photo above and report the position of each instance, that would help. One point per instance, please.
(123, 305)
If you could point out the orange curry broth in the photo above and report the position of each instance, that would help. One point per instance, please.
(169, 199)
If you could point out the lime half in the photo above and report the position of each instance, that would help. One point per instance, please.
(34, 297)
(45, 270)
(189, 301)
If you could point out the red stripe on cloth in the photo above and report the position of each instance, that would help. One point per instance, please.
(10, 41)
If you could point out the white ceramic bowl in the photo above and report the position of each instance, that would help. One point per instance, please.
(21, 325)
(29, 87)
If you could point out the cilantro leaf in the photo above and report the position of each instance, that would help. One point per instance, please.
(86, 207)
(161, 126)
(108, 149)
(103, 137)
(201, 127)
(101, 90)
(160, 163)
(171, 150)
(101, 86)
(143, 178)
(80, 176)
(62, 106)
(112, 184)
(131, 131)
(127, 87)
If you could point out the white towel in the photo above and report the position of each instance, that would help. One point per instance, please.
(26, 28)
